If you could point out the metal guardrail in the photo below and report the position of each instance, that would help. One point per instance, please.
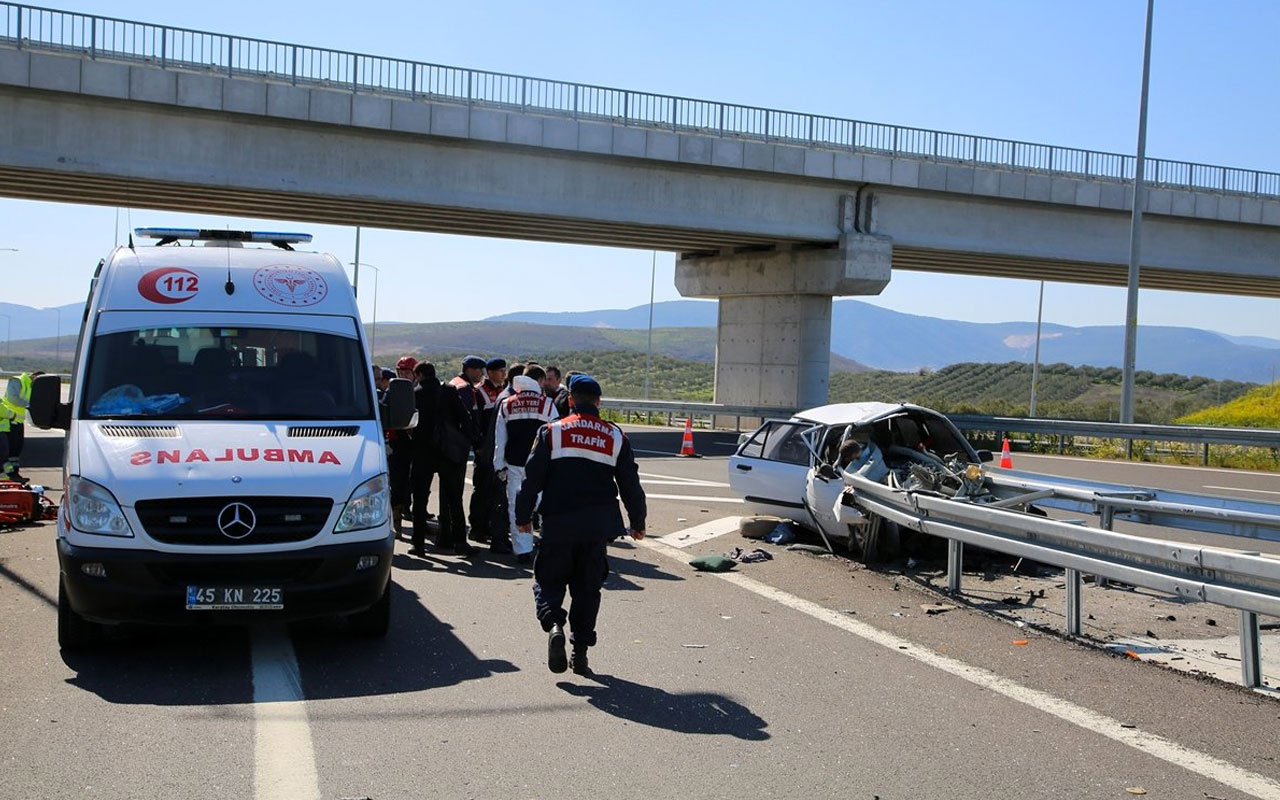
(1245, 581)
(171, 47)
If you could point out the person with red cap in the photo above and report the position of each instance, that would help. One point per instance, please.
(400, 458)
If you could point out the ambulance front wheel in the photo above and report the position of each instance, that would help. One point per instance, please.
(74, 631)
(372, 623)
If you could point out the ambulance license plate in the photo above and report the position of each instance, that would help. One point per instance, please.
(234, 598)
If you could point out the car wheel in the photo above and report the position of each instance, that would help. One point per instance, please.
(373, 622)
(74, 631)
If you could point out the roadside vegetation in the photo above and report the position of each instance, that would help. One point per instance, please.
(1258, 408)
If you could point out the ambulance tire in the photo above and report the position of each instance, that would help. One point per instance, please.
(74, 631)
(373, 622)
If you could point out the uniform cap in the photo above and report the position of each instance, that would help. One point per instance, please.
(407, 362)
(471, 362)
(387, 374)
(584, 384)
(496, 363)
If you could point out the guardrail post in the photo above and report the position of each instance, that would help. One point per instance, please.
(1256, 176)
(673, 113)
(164, 40)
(230, 54)
(19, 27)
(1106, 520)
(1250, 650)
(524, 93)
(575, 101)
(355, 72)
(1088, 169)
(1129, 449)
(955, 564)
(93, 38)
(722, 120)
(1075, 607)
(294, 58)
(1205, 459)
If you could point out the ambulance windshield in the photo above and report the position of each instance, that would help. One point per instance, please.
(221, 372)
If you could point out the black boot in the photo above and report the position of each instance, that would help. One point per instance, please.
(556, 660)
(578, 661)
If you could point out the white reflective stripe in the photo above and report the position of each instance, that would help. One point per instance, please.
(579, 452)
(585, 427)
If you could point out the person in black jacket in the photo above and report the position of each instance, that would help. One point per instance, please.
(456, 410)
(579, 465)
(426, 453)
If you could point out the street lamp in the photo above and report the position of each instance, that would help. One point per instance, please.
(1035, 365)
(57, 340)
(373, 326)
(648, 355)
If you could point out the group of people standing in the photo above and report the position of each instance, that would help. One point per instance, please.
(540, 447)
(490, 409)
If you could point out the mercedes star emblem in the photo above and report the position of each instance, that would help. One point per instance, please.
(236, 520)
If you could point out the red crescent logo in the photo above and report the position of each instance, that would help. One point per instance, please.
(169, 285)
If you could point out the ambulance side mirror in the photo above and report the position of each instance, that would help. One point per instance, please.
(47, 409)
(397, 406)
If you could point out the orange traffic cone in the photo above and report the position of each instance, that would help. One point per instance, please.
(1006, 460)
(686, 444)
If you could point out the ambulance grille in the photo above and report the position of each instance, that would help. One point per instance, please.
(140, 431)
(194, 520)
(321, 431)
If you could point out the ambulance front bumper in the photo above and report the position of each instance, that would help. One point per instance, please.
(141, 586)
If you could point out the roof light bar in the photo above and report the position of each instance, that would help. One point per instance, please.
(204, 234)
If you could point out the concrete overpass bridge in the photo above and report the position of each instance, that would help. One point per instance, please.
(773, 212)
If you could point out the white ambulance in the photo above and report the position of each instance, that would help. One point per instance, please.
(224, 451)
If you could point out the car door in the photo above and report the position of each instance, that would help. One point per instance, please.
(823, 483)
(770, 467)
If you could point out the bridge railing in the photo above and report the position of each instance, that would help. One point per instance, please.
(165, 46)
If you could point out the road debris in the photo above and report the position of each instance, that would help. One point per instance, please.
(1135, 790)
(749, 556)
(1021, 642)
(695, 646)
(933, 609)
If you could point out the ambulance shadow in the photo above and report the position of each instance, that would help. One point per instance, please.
(212, 666)
(42, 452)
(202, 666)
(697, 712)
(419, 652)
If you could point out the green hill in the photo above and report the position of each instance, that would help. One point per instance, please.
(1258, 408)
(1063, 391)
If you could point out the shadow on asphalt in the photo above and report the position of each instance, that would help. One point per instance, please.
(212, 666)
(698, 712)
(419, 652)
(481, 565)
(167, 667)
(620, 569)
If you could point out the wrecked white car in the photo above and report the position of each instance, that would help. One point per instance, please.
(795, 468)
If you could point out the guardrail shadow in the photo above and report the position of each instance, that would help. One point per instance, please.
(663, 443)
(695, 712)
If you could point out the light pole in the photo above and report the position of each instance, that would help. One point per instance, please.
(1135, 236)
(373, 326)
(8, 325)
(1035, 365)
(57, 340)
(648, 356)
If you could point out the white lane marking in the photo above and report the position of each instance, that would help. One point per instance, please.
(1080, 460)
(701, 533)
(700, 485)
(1203, 764)
(1238, 489)
(697, 497)
(682, 479)
(677, 454)
(284, 763)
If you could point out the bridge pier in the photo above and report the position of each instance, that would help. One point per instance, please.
(773, 340)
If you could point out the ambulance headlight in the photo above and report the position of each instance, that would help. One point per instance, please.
(93, 509)
(368, 506)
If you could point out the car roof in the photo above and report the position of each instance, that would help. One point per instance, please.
(850, 413)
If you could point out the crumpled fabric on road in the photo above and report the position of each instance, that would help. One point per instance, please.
(749, 556)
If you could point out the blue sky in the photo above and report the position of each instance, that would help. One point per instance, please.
(1057, 72)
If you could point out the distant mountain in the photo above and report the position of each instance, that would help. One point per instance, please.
(885, 339)
(26, 322)
(667, 314)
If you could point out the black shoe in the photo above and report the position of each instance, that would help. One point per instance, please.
(578, 662)
(463, 549)
(524, 559)
(556, 660)
(417, 550)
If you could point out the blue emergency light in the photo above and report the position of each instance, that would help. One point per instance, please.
(170, 235)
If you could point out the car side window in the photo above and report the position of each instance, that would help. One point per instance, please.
(778, 441)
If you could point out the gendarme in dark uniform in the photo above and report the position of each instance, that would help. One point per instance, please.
(580, 464)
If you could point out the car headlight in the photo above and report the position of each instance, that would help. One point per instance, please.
(93, 509)
(367, 507)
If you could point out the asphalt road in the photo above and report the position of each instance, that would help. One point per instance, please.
(797, 677)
